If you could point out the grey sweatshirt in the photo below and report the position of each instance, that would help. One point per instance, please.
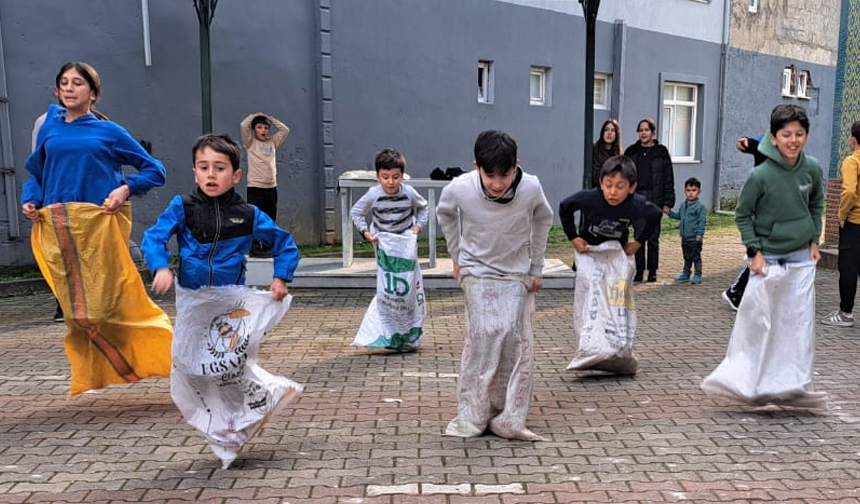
(491, 239)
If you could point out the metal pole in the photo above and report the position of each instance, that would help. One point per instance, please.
(205, 12)
(589, 10)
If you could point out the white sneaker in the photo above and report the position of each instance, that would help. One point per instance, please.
(837, 318)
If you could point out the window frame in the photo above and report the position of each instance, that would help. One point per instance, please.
(699, 120)
(543, 74)
(752, 6)
(789, 82)
(804, 82)
(606, 103)
(485, 76)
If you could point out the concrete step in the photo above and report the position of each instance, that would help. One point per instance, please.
(329, 273)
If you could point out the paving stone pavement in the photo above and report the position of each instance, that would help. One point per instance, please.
(367, 429)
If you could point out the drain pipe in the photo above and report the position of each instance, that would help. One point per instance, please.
(7, 166)
(724, 50)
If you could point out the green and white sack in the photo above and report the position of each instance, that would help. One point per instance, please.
(395, 317)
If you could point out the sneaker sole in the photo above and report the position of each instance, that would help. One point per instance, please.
(729, 301)
(838, 324)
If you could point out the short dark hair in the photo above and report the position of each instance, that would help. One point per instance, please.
(855, 130)
(692, 181)
(260, 119)
(389, 159)
(785, 113)
(619, 164)
(495, 152)
(219, 143)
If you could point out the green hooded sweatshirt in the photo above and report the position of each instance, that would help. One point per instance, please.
(780, 207)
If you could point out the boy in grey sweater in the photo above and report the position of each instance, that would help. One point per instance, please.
(496, 220)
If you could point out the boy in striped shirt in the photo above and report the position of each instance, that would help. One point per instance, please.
(396, 207)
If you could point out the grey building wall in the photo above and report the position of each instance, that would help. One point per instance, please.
(405, 77)
(353, 77)
(753, 88)
(264, 57)
(652, 59)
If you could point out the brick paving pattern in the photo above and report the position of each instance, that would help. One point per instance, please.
(367, 429)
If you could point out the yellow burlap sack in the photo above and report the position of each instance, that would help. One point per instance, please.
(116, 333)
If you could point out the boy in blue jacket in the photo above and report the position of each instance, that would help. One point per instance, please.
(214, 228)
(693, 216)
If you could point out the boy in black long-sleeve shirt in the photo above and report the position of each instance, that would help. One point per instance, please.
(609, 210)
(604, 316)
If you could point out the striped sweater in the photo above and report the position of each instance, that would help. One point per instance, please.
(391, 213)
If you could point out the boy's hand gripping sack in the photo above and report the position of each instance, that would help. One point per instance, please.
(604, 316)
(216, 382)
(395, 317)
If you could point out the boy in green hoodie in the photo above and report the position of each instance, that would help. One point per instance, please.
(781, 204)
(770, 358)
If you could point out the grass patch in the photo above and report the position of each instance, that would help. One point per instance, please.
(9, 273)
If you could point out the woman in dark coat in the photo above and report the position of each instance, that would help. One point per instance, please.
(656, 181)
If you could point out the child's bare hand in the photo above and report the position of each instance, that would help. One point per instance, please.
(537, 284)
(162, 281)
(116, 198)
(31, 212)
(416, 229)
(632, 247)
(757, 264)
(369, 236)
(279, 289)
(456, 271)
(814, 252)
(742, 144)
(579, 245)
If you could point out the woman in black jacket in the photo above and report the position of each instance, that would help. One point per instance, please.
(656, 181)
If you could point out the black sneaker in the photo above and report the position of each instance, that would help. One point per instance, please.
(638, 277)
(58, 315)
(652, 278)
(731, 300)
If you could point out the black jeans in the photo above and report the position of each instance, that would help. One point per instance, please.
(849, 265)
(692, 251)
(652, 245)
(266, 199)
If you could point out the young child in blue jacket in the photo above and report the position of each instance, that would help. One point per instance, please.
(215, 227)
(693, 216)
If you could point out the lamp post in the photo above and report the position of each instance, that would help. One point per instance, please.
(589, 10)
(205, 12)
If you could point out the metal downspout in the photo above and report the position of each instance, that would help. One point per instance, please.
(7, 167)
(724, 49)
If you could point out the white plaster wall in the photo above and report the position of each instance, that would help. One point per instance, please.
(806, 30)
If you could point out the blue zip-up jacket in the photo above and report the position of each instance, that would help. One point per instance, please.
(82, 161)
(214, 234)
(693, 216)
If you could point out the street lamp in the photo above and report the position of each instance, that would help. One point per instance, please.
(205, 12)
(589, 10)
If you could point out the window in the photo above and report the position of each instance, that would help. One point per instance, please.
(678, 131)
(789, 81)
(485, 81)
(804, 82)
(601, 91)
(538, 86)
(752, 5)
